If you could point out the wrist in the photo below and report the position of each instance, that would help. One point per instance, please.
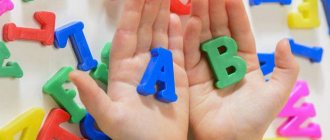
(228, 135)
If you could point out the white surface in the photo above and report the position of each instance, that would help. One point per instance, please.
(40, 63)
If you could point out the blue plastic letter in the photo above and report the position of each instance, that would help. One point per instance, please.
(326, 5)
(314, 54)
(159, 72)
(267, 62)
(74, 31)
(282, 2)
(88, 130)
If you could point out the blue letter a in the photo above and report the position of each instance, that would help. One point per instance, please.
(159, 77)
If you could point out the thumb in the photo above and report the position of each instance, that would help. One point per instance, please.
(92, 96)
(286, 71)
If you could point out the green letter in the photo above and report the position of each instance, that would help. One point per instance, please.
(228, 68)
(64, 97)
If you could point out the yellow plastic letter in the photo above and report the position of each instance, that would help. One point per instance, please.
(276, 139)
(306, 17)
(29, 123)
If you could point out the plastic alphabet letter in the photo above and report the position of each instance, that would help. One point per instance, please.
(88, 130)
(12, 69)
(64, 97)
(314, 54)
(45, 35)
(159, 72)
(28, 123)
(298, 115)
(52, 130)
(74, 32)
(276, 139)
(6, 5)
(226, 65)
(306, 17)
(179, 8)
(326, 6)
(101, 73)
(282, 2)
(105, 54)
(267, 62)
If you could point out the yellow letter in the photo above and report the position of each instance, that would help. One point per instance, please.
(276, 139)
(306, 17)
(28, 122)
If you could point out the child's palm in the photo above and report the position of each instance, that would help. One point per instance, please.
(123, 113)
(243, 110)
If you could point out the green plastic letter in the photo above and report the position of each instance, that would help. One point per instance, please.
(105, 54)
(64, 97)
(227, 67)
(12, 69)
(101, 73)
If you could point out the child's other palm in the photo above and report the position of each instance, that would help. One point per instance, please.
(242, 111)
(123, 113)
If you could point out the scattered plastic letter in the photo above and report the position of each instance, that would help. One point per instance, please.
(101, 73)
(64, 97)
(326, 6)
(6, 5)
(315, 54)
(267, 62)
(88, 130)
(27, 0)
(28, 123)
(159, 72)
(45, 35)
(226, 65)
(282, 2)
(306, 17)
(74, 32)
(11, 69)
(276, 139)
(52, 130)
(179, 8)
(105, 54)
(299, 115)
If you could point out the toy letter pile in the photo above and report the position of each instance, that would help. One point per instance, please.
(30, 122)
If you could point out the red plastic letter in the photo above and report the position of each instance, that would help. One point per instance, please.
(45, 35)
(179, 8)
(52, 130)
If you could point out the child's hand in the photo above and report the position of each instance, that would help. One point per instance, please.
(244, 110)
(123, 113)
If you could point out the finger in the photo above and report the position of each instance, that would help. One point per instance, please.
(149, 14)
(160, 28)
(176, 40)
(241, 31)
(125, 38)
(92, 96)
(191, 43)
(286, 70)
(199, 9)
(218, 18)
